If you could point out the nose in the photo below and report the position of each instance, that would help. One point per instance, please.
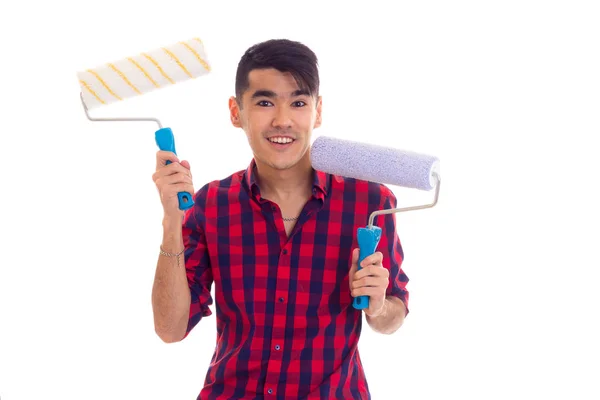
(282, 118)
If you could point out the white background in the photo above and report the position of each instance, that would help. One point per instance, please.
(504, 271)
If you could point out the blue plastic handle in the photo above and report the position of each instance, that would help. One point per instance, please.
(368, 239)
(166, 142)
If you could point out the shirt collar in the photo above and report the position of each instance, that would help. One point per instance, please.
(321, 181)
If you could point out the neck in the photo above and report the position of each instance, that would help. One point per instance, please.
(283, 185)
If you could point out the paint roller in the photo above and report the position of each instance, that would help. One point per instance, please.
(379, 164)
(140, 74)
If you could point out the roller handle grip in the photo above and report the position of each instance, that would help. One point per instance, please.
(368, 239)
(166, 142)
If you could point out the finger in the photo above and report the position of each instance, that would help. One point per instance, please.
(178, 167)
(353, 266)
(368, 281)
(372, 270)
(170, 169)
(185, 164)
(179, 177)
(173, 179)
(176, 188)
(354, 261)
(375, 258)
(355, 254)
(163, 156)
(366, 291)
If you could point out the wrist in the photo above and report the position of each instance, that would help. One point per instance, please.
(172, 236)
(172, 223)
(382, 312)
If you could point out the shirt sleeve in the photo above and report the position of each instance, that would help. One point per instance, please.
(390, 246)
(197, 266)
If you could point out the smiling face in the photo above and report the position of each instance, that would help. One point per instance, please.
(277, 117)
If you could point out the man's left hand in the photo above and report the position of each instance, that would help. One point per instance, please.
(372, 280)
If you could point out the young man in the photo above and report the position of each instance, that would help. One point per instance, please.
(278, 241)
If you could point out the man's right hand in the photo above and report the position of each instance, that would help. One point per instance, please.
(170, 180)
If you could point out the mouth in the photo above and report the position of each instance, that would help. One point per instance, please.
(281, 142)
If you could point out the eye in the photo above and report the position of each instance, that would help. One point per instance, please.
(264, 103)
(299, 103)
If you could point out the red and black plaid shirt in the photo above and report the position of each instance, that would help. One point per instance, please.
(286, 328)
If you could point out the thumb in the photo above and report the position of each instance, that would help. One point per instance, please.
(185, 163)
(355, 254)
(354, 262)
(163, 156)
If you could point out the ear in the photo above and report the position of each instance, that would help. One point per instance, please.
(318, 120)
(234, 112)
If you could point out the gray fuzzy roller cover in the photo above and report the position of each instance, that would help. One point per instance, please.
(374, 163)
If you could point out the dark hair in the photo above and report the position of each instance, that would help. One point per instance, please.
(285, 56)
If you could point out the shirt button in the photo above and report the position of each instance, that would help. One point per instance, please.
(277, 347)
(281, 299)
(284, 251)
(273, 208)
(270, 391)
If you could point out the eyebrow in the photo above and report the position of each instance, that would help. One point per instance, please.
(271, 94)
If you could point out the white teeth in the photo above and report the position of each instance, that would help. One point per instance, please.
(281, 140)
